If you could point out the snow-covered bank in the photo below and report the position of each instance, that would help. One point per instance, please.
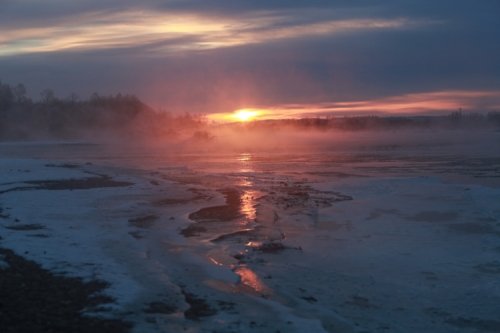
(80, 232)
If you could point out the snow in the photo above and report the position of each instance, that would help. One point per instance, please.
(401, 246)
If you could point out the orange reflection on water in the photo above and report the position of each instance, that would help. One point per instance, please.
(244, 157)
(245, 161)
(254, 244)
(245, 182)
(248, 195)
(250, 279)
(248, 202)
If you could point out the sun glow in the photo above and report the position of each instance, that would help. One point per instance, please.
(245, 115)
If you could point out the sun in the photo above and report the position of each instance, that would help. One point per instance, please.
(245, 115)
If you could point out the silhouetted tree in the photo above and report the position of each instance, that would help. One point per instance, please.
(73, 98)
(19, 92)
(48, 96)
(6, 97)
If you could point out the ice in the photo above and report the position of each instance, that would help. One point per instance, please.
(387, 241)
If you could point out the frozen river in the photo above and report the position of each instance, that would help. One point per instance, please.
(373, 238)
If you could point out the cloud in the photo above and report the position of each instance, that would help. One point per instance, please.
(93, 31)
(217, 56)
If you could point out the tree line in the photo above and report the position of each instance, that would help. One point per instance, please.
(51, 117)
(453, 120)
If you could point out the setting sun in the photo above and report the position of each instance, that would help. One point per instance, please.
(245, 115)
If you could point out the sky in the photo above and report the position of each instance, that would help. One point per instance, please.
(289, 57)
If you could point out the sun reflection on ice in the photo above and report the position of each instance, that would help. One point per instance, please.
(249, 279)
(245, 157)
(248, 195)
(248, 204)
(245, 182)
(245, 162)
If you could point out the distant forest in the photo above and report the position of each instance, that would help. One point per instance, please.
(454, 120)
(125, 116)
(112, 116)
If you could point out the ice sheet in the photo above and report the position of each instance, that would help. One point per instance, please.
(321, 243)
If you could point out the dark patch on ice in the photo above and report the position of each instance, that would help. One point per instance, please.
(70, 184)
(143, 222)
(137, 234)
(3, 215)
(492, 267)
(33, 299)
(63, 165)
(39, 235)
(241, 235)
(224, 213)
(193, 230)
(25, 227)
(431, 276)
(434, 216)
(78, 184)
(274, 247)
(240, 257)
(298, 195)
(198, 307)
(227, 306)
(482, 325)
(160, 307)
(309, 299)
(361, 302)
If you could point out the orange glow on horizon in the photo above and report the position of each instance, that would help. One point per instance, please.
(409, 104)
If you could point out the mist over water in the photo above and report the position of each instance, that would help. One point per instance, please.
(240, 150)
(279, 142)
